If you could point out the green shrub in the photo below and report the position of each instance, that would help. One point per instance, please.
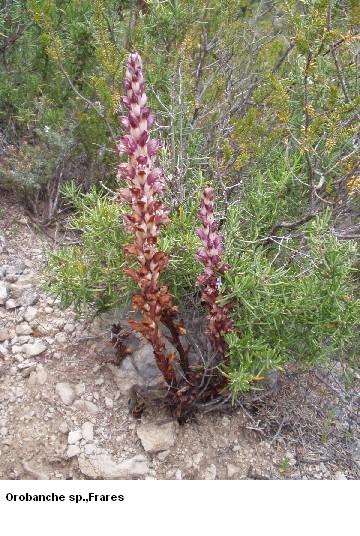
(90, 274)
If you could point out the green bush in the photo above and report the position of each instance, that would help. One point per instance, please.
(90, 274)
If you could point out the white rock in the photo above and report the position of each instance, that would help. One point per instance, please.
(103, 466)
(60, 338)
(17, 349)
(69, 328)
(210, 472)
(30, 314)
(109, 403)
(65, 392)
(38, 376)
(178, 475)
(11, 304)
(232, 470)
(23, 329)
(79, 389)
(155, 438)
(340, 476)
(72, 450)
(35, 348)
(3, 292)
(63, 428)
(87, 430)
(74, 437)
(86, 406)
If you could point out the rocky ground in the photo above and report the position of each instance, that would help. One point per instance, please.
(64, 403)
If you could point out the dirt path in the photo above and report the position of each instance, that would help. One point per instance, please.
(64, 406)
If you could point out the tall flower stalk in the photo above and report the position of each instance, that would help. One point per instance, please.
(144, 183)
(209, 280)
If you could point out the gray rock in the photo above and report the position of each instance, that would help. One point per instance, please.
(69, 328)
(13, 272)
(125, 379)
(3, 292)
(65, 392)
(86, 407)
(23, 329)
(33, 349)
(72, 450)
(103, 466)
(17, 290)
(87, 430)
(30, 314)
(155, 438)
(74, 437)
(29, 297)
(210, 472)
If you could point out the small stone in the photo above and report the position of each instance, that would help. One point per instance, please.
(36, 348)
(17, 349)
(74, 437)
(86, 406)
(87, 430)
(11, 304)
(3, 292)
(178, 475)
(4, 334)
(72, 450)
(198, 457)
(63, 428)
(3, 431)
(340, 476)
(163, 455)
(69, 328)
(39, 376)
(210, 472)
(65, 392)
(48, 310)
(30, 314)
(23, 329)
(60, 338)
(109, 403)
(155, 438)
(79, 389)
(17, 291)
(99, 381)
(232, 470)
(103, 466)
(29, 297)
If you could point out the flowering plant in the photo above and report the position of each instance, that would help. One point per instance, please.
(144, 184)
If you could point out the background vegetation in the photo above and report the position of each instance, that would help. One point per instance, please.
(260, 98)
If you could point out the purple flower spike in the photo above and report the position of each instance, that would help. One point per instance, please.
(210, 255)
(143, 184)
